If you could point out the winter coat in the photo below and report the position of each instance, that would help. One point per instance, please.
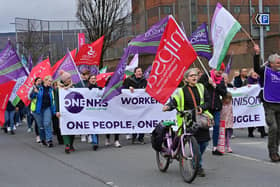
(134, 82)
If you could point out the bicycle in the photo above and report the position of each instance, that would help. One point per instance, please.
(186, 151)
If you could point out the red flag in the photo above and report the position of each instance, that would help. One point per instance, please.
(81, 39)
(90, 54)
(174, 56)
(58, 63)
(102, 78)
(5, 93)
(40, 70)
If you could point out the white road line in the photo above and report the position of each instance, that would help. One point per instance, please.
(253, 159)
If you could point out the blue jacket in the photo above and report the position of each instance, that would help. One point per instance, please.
(39, 97)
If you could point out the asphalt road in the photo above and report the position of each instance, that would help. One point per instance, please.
(25, 163)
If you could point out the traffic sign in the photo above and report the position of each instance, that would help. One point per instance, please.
(262, 19)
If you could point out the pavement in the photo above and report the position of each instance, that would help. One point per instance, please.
(25, 163)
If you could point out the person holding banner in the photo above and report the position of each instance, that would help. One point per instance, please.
(136, 81)
(44, 109)
(270, 96)
(216, 88)
(65, 82)
(196, 96)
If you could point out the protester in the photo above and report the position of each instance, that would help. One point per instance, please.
(193, 94)
(216, 89)
(94, 137)
(226, 80)
(136, 81)
(36, 85)
(9, 118)
(65, 83)
(55, 120)
(227, 116)
(44, 109)
(253, 78)
(241, 80)
(270, 98)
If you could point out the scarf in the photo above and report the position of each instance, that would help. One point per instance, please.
(215, 79)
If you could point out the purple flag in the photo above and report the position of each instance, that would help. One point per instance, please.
(93, 69)
(11, 67)
(149, 41)
(69, 66)
(200, 42)
(229, 64)
(148, 71)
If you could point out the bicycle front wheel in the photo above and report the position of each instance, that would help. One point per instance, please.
(163, 160)
(190, 162)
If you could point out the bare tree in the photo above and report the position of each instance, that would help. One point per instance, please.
(103, 17)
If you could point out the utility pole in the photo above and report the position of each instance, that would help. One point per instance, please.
(261, 33)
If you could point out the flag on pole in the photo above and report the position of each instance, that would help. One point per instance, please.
(174, 56)
(5, 92)
(200, 42)
(90, 54)
(103, 70)
(81, 40)
(40, 70)
(69, 66)
(143, 43)
(129, 70)
(229, 64)
(30, 63)
(11, 67)
(223, 29)
(58, 63)
(148, 71)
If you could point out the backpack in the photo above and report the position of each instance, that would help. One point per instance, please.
(158, 137)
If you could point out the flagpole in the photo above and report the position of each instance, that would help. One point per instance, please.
(248, 35)
(203, 67)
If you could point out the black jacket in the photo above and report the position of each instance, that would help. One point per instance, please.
(215, 94)
(134, 82)
(239, 83)
(10, 106)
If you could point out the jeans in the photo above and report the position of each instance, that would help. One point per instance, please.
(216, 128)
(202, 148)
(17, 117)
(29, 118)
(94, 138)
(9, 118)
(44, 124)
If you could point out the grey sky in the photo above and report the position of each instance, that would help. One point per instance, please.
(35, 9)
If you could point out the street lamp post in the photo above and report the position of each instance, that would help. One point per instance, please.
(17, 43)
(261, 33)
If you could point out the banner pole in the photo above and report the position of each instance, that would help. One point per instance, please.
(203, 67)
(247, 34)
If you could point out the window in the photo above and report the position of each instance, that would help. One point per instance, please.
(266, 9)
(167, 10)
(236, 10)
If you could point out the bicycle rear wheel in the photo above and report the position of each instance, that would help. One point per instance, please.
(189, 164)
(163, 160)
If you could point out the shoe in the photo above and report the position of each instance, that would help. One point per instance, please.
(201, 172)
(72, 149)
(264, 135)
(274, 157)
(94, 147)
(251, 136)
(43, 142)
(133, 141)
(15, 128)
(67, 149)
(117, 144)
(9, 129)
(5, 130)
(83, 138)
(38, 139)
(216, 152)
(89, 139)
(141, 141)
(50, 144)
(12, 132)
(229, 150)
(128, 136)
(107, 142)
(29, 130)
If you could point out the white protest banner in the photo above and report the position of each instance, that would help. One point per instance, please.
(247, 108)
(82, 112)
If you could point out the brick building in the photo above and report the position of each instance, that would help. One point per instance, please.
(191, 13)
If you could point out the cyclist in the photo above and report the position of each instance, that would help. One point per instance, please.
(183, 99)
